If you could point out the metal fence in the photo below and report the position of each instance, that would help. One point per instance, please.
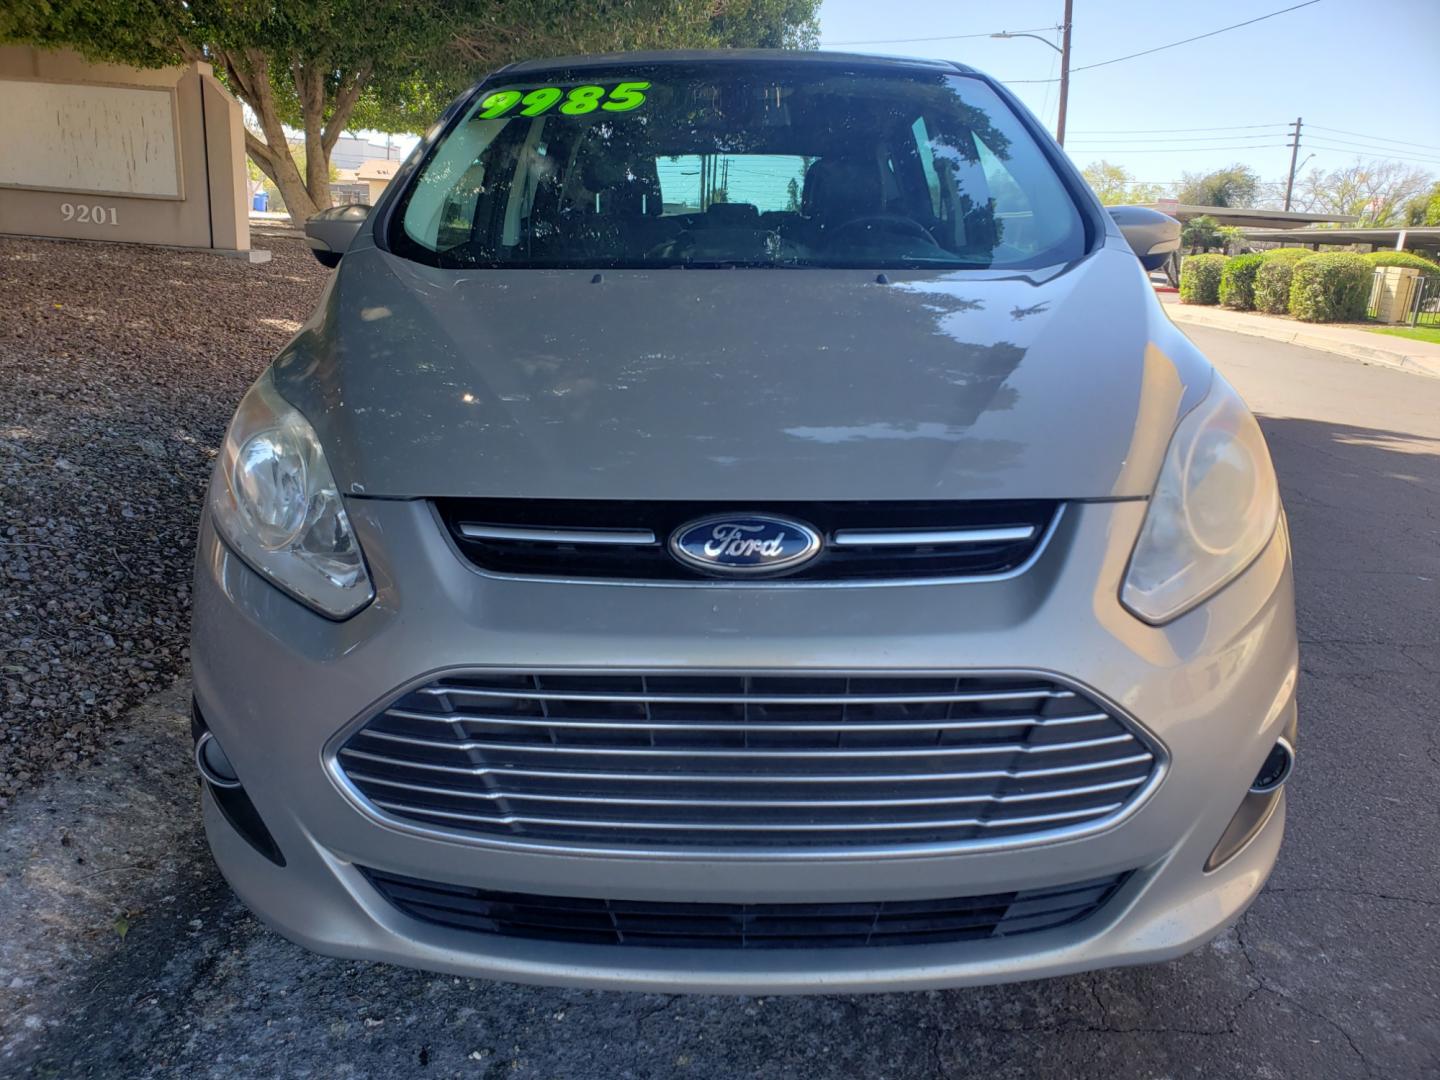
(1426, 308)
(1423, 308)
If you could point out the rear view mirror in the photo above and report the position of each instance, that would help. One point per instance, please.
(330, 232)
(1153, 236)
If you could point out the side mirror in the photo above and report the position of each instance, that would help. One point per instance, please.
(330, 232)
(1153, 236)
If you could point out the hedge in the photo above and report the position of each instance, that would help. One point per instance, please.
(1402, 258)
(1200, 279)
(1272, 282)
(1333, 287)
(1237, 281)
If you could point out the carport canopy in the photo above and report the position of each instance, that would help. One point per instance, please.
(1418, 238)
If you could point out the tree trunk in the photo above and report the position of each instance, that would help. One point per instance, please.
(248, 73)
(285, 175)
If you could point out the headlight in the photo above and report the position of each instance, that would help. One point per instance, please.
(275, 503)
(1215, 507)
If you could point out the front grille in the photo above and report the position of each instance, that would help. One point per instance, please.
(863, 541)
(747, 762)
(745, 926)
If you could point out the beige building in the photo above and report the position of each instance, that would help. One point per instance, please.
(377, 174)
(109, 152)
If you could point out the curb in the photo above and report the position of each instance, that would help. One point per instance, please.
(1287, 332)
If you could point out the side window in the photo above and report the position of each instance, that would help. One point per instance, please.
(441, 213)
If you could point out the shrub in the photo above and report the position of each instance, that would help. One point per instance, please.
(1200, 279)
(1272, 281)
(1402, 258)
(1237, 281)
(1331, 288)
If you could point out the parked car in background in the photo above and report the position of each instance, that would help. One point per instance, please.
(742, 522)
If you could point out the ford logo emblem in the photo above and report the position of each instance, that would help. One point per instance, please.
(744, 544)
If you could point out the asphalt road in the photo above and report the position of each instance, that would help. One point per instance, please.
(141, 964)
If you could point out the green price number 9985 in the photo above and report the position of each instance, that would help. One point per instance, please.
(577, 102)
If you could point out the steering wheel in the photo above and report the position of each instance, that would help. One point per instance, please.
(891, 223)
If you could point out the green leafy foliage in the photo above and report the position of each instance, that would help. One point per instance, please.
(1331, 287)
(1200, 279)
(1272, 280)
(1115, 186)
(1237, 281)
(1424, 209)
(1237, 185)
(1201, 233)
(1402, 258)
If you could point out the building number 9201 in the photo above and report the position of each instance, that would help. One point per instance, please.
(88, 214)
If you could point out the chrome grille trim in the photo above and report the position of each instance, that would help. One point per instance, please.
(751, 753)
(936, 537)
(761, 699)
(746, 765)
(725, 827)
(1093, 789)
(664, 725)
(637, 537)
(742, 778)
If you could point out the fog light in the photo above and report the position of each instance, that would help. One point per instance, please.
(210, 759)
(1276, 768)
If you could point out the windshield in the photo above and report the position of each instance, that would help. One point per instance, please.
(738, 165)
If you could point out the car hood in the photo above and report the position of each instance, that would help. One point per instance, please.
(741, 384)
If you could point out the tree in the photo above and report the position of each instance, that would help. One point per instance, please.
(1114, 185)
(1202, 233)
(1424, 209)
(1376, 192)
(1238, 185)
(388, 64)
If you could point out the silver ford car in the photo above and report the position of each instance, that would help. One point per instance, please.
(742, 522)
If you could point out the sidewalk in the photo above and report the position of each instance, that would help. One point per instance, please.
(1344, 340)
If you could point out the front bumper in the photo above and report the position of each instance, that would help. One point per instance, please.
(276, 683)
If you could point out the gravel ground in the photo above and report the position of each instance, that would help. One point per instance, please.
(119, 368)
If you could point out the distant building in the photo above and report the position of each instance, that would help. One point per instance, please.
(351, 152)
(376, 174)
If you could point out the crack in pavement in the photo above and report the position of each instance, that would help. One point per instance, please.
(1284, 995)
(1366, 893)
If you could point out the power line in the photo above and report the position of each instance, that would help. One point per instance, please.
(1201, 138)
(1180, 149)
(1376, 138)
(1425, 163)
(1163, 131)
(1387, 154)
(943, 37)
(1197, 37)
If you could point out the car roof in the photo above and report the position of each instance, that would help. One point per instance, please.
(733, 56)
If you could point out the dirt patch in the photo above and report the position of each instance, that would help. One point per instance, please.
(119, 369)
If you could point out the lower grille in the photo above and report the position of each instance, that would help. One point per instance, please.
(748, 762)
(745, 926)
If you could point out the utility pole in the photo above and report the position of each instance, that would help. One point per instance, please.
(1064, 74)
(1294, 145)
(1064, 50)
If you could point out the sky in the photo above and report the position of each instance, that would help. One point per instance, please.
(1368, 70)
